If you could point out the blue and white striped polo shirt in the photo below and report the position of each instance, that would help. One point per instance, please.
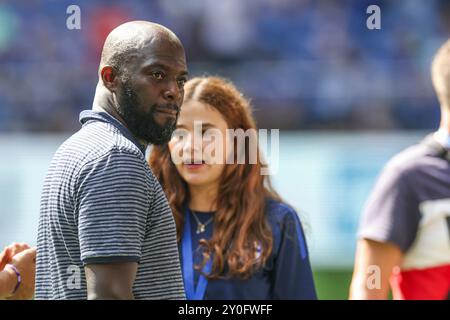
(102, 204)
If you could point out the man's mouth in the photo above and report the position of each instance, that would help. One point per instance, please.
(173, 111)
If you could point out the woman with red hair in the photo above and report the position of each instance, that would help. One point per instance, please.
(238, 240)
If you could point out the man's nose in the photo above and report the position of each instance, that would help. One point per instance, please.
(172, 91)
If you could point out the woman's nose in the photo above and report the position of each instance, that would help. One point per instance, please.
(192, 147)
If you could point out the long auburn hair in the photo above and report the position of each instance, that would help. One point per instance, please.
(240, 223)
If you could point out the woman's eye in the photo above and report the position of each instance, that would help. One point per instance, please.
(158, 75)
(181, 82)
(208, 134)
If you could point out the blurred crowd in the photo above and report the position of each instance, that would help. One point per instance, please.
(305, 64)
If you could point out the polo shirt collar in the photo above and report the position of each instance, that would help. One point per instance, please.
(87, 116)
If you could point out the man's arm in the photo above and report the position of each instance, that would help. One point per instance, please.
(112, 219)
(112, 281)
(371, 257)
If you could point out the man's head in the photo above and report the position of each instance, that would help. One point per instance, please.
(143, 65)
(440, 74)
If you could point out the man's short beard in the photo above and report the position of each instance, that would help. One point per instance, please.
(141, 124)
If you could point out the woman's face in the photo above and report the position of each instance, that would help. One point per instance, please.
(195, 147)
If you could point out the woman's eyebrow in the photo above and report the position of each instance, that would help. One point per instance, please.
(204, 125)
(207, 125)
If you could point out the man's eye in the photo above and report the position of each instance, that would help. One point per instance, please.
(158, 75)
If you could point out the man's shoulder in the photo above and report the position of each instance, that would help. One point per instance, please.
(412, 159)
(98, 140)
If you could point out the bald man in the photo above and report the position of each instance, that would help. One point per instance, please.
(106, 230)
(404, 236)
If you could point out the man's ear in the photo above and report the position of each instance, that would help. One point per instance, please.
(110, 78)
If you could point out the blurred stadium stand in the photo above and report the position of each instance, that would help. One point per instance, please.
(306, 64)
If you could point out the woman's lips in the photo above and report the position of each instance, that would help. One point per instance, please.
(194, 166)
